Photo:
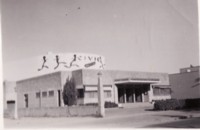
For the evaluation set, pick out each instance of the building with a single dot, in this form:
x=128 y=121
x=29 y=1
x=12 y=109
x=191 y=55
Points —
x=9 y=94
x=186 y=83
x=9 y=98
x=54 y=70
x=119 y=87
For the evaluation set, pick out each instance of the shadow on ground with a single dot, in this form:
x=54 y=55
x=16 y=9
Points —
x=187 y=123
x=177 y=116
x=149 y=109
x=184 y=110
x=193 y=109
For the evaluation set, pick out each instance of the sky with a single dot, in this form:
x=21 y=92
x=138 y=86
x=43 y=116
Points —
x=135 y=35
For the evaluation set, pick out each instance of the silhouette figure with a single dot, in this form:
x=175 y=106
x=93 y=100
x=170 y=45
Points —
x=43 y=65
x=58 y=62
x=102 y=65
x=72 y=62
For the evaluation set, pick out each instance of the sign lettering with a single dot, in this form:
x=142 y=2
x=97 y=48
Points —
x=71 y=61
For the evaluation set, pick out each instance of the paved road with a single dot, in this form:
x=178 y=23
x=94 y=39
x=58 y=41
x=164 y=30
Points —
x=115 y=118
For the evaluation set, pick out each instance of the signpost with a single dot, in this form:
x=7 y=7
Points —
x=16 y=108
x=100 y=96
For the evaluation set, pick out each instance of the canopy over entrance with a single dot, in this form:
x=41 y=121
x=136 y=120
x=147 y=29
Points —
x=136 y=80
x=134 y=90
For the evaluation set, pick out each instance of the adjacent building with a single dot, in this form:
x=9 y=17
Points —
x=9 y=96
x=186 y=83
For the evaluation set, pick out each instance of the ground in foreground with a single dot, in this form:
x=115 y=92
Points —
x=131 y=117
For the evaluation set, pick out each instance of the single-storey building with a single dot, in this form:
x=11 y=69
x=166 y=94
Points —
x=45 y=89
x=119 y=87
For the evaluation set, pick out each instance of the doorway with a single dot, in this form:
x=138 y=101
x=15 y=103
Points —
x=121 y=95
x=59 y=99
x=138 y=95
x=26 y=100
x=129 y=95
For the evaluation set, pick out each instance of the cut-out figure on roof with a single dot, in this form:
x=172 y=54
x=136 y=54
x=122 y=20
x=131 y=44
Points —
x=58 y=62
x=43 y=65
x=72 y=62
x=102 y=65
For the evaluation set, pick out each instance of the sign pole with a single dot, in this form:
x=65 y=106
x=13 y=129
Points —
x=100 y=96
x=16 y=107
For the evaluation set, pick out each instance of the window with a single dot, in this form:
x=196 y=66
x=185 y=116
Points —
x=44 y=94
x=156 y=91
x=94 y=94
x=161 y=91
x=26 y=100
x=38 y=95
x=188 y=70
x=107 y=94
x=91 y=94
x=80 y=93
x=51 y=93
x=165 y=91
x=108 y=86
x=10 y=102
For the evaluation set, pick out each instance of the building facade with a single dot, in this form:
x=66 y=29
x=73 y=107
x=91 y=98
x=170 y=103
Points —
x=119 y=87
x=186 y=84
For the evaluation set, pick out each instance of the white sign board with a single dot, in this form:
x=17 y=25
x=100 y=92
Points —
x=70 y=61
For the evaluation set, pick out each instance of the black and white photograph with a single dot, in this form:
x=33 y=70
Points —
x=100 y=64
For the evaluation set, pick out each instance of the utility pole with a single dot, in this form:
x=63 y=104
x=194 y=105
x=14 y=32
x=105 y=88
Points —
x=100 y=96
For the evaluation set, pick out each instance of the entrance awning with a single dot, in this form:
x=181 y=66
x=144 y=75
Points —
x=136 y=80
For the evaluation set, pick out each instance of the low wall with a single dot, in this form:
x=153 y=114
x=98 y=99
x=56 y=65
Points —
x=8 y=113
x=58 y=111
x=163 y=97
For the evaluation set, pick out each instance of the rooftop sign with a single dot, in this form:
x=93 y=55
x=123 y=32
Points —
x=70 y=61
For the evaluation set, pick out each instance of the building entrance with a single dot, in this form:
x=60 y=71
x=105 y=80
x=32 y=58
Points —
x=130 y=93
